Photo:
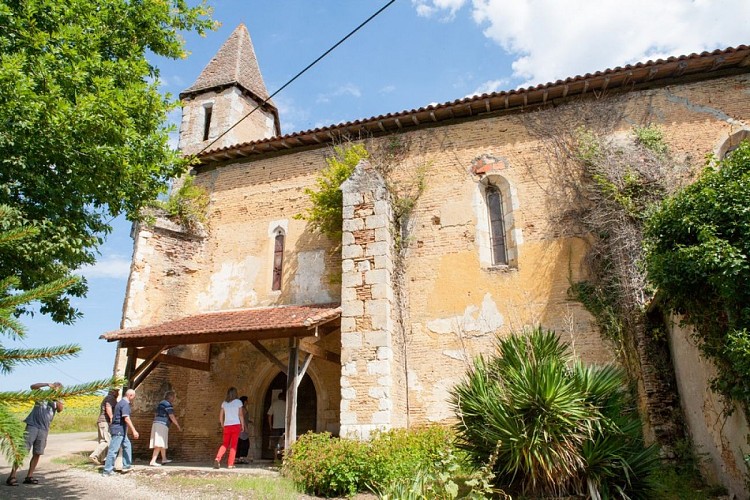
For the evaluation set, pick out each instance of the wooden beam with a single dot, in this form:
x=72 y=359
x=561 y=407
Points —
x=144 y=374
x=216 y=338
x=145 y=365
x=303 y=368
x=129 y=368
x=314 y=349
x=184 y=362
x=292 y=381
x=269 y=355
x=147 y=352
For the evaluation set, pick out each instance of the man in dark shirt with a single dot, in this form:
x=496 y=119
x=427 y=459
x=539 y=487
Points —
x=121 y=422
x=106 y=411
x=37 y=429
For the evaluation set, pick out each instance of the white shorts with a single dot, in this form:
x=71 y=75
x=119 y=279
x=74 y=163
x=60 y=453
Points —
x=159 y=436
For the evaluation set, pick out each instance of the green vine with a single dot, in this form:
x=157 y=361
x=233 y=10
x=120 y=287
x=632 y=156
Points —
x=326 y=212
x=187 y=205
x=698 y=255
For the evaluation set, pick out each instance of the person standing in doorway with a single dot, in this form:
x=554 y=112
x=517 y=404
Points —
x=233 y=423
x=121 y=423
x=277 y=422
x=106 y=410
x=243 y=445
x=160 y=429
x=37 y=429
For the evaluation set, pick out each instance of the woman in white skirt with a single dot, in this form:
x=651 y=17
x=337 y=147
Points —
x=160 y=429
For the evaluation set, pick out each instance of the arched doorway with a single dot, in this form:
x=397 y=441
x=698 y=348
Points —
x=307 y=409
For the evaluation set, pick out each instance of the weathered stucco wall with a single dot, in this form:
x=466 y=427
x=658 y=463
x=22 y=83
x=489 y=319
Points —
x=720 y=441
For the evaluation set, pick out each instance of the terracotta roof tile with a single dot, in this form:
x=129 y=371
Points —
x=237 y=320
x=648 y=73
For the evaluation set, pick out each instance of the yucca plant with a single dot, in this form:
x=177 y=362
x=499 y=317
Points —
x=558 y=427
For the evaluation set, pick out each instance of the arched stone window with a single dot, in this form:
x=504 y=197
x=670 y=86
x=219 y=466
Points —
x=278 y=259
x=497 y=236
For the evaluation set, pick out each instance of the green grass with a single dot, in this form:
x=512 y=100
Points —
x=270 y=488
x=78 y=460
x=675 y=484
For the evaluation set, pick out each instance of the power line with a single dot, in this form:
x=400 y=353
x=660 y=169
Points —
x=373 y=16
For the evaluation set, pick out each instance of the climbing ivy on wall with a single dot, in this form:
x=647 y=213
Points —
x=698 y=255
x=326 y=211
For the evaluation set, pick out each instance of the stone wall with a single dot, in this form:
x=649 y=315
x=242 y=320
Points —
x=720 y=441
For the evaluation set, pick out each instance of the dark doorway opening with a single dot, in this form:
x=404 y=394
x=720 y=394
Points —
x=307 y=410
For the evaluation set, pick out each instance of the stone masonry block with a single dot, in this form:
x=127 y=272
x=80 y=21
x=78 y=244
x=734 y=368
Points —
x=349 y=369
x=384 y=353
x=377 y=338
x=348 y=325
x=348 y=294
x=363 y=266
x=350 y=280
x=378 y=308
x=348 y=418
x=382 y=206
x=351 y=340
x=378 y=367
x=383 y=234
x=376 y=276
x=347 y=238
x=377 y=248
x=376 y=221
x=348 y=212
x=352 y=308
x=353 y=225
x=348 y=393
x=382 y=291
x=351 y=252
x=347 y=265
x=351 y=199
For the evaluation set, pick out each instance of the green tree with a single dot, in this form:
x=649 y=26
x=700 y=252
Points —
x=11 y=429
x=698 y=255
x=82 y=126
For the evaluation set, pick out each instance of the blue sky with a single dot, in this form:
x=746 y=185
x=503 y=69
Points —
x=415 y=53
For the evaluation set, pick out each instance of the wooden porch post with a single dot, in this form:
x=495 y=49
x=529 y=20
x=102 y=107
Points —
x=292 y=375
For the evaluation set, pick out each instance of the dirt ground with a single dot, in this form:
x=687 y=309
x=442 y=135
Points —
x=57 y=480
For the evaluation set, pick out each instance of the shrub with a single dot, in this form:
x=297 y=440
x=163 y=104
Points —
x=323 y=465
x=326 y=466
x=557 y=428
x=188 y=204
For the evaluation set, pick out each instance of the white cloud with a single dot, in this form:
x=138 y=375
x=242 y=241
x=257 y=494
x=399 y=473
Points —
x=346 y=89
x=428 y=8
x=490 y=86
x=550 y=40
x=292 y=116
x=388 y=89
x=112 y=266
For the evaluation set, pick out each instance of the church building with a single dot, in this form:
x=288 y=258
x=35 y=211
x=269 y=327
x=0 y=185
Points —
x=372 y=331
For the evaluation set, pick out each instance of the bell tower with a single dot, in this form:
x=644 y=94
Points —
x=227 y=89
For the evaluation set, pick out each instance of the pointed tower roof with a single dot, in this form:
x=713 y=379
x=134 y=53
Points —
x=234 y=64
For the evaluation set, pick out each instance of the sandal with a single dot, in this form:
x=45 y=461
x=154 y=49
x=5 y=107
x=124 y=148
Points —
x=11 y=481
x=30 y=480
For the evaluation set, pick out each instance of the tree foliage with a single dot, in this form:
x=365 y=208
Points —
x=326 y=213
x=698 y=255
x=11 y=429
x=82 y=126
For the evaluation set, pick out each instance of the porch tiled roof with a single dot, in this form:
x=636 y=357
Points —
x=233 y=321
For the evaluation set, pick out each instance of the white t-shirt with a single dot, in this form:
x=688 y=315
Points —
x=278 y=412
x=232 y=412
